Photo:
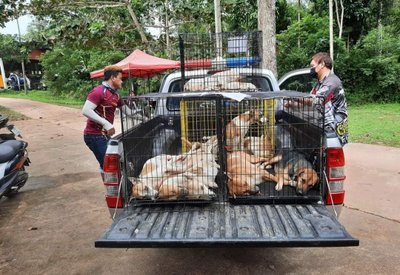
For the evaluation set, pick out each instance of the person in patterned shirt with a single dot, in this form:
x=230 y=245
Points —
x=330 y=87
x=99 y=109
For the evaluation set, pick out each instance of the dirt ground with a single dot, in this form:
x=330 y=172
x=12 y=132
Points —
x=51 y=226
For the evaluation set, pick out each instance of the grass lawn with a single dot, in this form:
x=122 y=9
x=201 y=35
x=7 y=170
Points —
x=12 y=116
x=370 y=123
x=43 y=96
x=375 y=124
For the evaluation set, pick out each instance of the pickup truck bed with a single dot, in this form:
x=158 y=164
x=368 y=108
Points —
x=270 y=218
x=223 y=225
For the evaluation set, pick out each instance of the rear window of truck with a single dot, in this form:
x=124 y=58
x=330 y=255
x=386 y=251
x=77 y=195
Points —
x=262 y=84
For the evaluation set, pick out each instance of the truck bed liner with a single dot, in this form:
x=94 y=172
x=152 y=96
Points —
x=226 y=225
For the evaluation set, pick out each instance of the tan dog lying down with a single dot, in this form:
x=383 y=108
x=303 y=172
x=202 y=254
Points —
x=187 y=186
x=188 y=175
x=216 y=82
x=245 y=172
x=238 y=86
x=294 y=170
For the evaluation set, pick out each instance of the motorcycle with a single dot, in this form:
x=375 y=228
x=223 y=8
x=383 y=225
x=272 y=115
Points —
x=16 y=82
x=13 y=159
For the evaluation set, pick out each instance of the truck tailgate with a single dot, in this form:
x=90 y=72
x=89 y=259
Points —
x=224 y=225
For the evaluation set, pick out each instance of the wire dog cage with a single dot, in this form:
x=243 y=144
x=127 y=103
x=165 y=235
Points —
x=230 y=59
x=266 y=148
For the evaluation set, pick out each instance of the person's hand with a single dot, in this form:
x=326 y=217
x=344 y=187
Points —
x=110 y=132
x=290 y=103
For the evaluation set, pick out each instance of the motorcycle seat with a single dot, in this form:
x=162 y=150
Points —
x=9 y=149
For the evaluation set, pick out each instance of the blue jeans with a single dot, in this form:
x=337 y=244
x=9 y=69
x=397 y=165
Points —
x=98 y=145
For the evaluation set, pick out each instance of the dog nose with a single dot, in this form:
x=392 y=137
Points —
x=300 y=191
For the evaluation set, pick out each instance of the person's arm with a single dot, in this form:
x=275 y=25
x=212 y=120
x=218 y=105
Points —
x=297 y=103
x=88 y=111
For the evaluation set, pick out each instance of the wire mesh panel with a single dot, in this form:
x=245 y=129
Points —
x=260 y=149
x=225 y=55
x=274 y=149
x=173 y=158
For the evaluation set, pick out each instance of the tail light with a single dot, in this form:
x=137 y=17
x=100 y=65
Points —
x=335 y=163
x=21 y=162
x=112 y=175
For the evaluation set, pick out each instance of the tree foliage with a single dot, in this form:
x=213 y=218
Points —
x=313 y=33
x=9 y=48
x=370 y=71
x=11 y=9
x=67 y=69
x=86 y=35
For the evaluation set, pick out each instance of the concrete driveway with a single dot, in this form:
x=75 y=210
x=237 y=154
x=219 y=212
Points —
x=51 y=226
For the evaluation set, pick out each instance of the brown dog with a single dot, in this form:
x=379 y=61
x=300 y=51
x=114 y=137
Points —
x=238 y=127
x=294 y=170
x=245 y=172
x=259 y=146
x=141 y=190
x=186 y=186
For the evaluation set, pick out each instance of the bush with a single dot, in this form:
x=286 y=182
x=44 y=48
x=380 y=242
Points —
x=370 y=71
x=313 y=33
x=67 y=70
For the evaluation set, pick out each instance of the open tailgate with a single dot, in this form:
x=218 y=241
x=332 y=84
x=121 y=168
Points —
x=226 y=226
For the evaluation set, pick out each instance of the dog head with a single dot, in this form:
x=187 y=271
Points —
x=251 y=116
x=238 y=185
x=306 y=179
x=172 y=190
x=141 y=190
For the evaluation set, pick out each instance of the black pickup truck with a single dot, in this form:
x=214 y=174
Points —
x=269 y=218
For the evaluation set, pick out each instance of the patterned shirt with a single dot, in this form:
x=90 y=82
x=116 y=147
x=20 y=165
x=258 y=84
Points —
x=107 y=100
x=335 y=105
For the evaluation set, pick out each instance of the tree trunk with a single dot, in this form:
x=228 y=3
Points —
x=267 y=24
x=167 y=30
x=339 y=19
x=218 y=28
x=331 y=28
x=137 y=24
x=380 y=27
x=298 y=20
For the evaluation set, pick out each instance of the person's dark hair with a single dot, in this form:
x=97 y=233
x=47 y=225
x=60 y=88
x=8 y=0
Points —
x=111 y=70
x=323 y=57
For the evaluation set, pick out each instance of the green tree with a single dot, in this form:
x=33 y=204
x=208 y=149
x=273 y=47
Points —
x=370 y=71
x=9 y=48
x=67 y=69
x=99 y=24
x=11 y=9
x=313 y=33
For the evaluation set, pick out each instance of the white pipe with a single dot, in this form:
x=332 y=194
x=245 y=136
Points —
x=3 y=74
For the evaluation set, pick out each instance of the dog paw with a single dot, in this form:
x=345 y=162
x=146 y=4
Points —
x=278 y=187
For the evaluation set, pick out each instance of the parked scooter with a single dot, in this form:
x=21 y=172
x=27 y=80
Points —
x=13 y=159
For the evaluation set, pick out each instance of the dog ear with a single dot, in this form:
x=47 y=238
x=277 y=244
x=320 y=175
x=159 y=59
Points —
x=301 y=173
x=308 y=175
x=247 y=142
x=134 y=181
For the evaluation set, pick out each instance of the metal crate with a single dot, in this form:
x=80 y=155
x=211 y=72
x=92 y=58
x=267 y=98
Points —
x=229 y=58
x=217 y=149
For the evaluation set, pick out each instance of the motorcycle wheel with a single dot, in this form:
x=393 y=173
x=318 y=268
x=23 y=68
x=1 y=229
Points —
x=23 y=178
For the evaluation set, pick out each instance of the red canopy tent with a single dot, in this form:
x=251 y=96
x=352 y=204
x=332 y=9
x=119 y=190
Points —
x=140 y=64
